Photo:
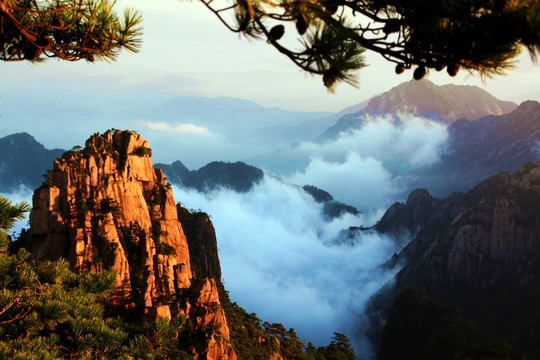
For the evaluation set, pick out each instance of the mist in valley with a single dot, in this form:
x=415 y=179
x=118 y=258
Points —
x=280 y=259
x=283 y=259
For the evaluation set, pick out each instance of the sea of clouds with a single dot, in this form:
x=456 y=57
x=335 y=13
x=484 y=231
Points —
x=373 y=166
x=279 y=254
x=280 y=259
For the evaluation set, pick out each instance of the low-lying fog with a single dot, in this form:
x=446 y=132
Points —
x=279 y=254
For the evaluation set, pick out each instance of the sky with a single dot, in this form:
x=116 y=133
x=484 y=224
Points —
x=187 y=51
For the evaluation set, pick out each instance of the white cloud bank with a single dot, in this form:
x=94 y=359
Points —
x=177 y=128
x=371 y=167
x=280 y=260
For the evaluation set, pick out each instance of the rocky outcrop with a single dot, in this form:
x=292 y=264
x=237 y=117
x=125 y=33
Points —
x=202 y=242
x=204 y=309
x=479 y=252
x=104 y=207
x=332 y=208
x=408 y=218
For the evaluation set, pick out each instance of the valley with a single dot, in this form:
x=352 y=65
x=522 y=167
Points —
x=322 y=224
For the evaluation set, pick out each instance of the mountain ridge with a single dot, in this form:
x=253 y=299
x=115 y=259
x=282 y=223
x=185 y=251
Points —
x=445 y=104
x=484 y=147
x=21 y=150
x=477 y=251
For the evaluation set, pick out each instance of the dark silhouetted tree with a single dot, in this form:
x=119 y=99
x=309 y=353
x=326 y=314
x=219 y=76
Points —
x=480 y=36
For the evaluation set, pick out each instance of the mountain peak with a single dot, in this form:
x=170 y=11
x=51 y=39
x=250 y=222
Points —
x=22 y=139
x=529 y=106
x=104 y=207
x=446 y=103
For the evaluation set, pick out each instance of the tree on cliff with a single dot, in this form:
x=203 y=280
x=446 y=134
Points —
x=9 y=214
x=49 y=312
x=66 y=29
x=480 y=36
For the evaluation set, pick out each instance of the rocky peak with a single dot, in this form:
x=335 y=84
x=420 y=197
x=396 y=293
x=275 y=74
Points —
x=419 y=197
x=406 y=219
x=528 y=106
x=446 y=103
x=104 y=207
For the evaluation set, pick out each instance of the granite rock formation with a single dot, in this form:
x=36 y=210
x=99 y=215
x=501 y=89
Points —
x=202 y=242
x=477 y=251
x=105 y=207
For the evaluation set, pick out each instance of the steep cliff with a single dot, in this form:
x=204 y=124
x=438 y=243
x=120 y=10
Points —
x=480 y=252
x=105 y=207
x=202 y=242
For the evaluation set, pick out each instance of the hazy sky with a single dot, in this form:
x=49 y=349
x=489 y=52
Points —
x=187 y=51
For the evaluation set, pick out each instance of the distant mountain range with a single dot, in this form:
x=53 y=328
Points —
x=237 y=117
x=230 y=128
x=484 y=147
x=23 y=161
x=476 y=148
x=237 y=176
x=241 y=177
x=445 y=104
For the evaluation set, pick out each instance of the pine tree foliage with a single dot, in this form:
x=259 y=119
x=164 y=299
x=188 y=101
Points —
x=67 y=29
x=49 y=312
x=9 y=214
x=480 y=36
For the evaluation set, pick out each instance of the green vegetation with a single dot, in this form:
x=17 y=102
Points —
x=142 y=151
x=66 y=29
x=9 y=214
x=254 y=340
x=49 y=312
